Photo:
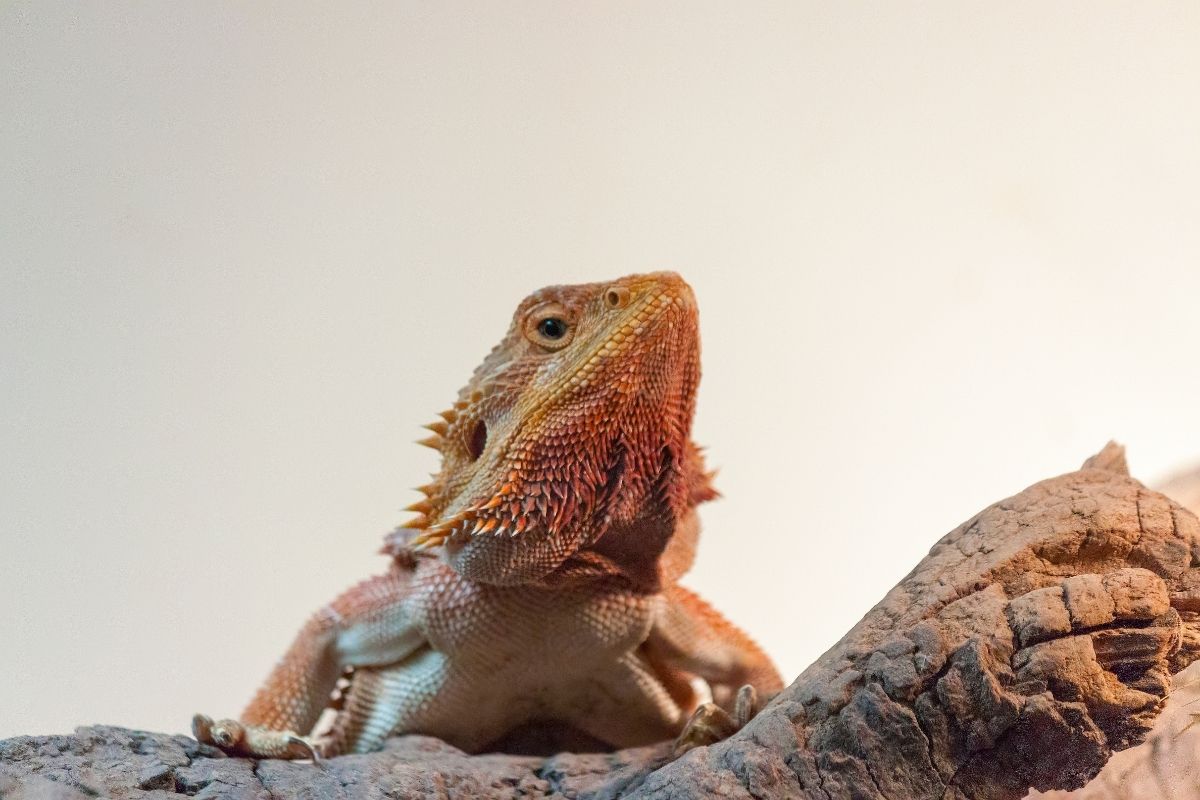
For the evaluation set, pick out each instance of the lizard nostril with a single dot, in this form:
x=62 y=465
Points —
x=616 y=297
x=478 y=440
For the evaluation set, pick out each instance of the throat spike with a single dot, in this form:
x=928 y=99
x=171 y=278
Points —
x=420 y=507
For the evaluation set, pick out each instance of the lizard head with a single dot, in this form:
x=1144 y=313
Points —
x=578 y=421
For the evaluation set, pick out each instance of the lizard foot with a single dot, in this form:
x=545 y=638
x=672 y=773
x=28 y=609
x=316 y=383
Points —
x=235 y=738
x=710 y=723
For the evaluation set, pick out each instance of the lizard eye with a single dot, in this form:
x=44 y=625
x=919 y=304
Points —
x=552 y=328
x=549 y=326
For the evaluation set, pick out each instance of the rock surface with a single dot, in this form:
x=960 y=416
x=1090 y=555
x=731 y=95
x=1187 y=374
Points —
x=1032 y=642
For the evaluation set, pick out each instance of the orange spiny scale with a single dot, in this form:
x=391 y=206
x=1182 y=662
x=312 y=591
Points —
x=430 y=540
x=437 y=529
x=489 y=525
x=416 y=523
x=434 y=442
x=428 y=489
x=420 y=507
x=427 y=540
x=439 y=427
x=451 y=521
x=493 y=503
x=450 y=415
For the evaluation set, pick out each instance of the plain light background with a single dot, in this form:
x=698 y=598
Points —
x=942 y=251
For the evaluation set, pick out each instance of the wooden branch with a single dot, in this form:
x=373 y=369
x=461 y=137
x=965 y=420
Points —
x=1033 y=641
x=1167 y=765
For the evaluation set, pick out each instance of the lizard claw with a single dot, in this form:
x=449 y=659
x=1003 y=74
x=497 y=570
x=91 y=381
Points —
x=745 y=706
x=306 y=745
x=710 y=723
x=236 y=738
x=226 y=734
x=202 y=728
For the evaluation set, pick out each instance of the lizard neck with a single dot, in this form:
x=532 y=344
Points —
x=653 y=550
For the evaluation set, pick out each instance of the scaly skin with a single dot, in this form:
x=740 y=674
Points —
x=538 y=582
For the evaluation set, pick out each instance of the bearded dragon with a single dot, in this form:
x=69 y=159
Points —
x=538 y=583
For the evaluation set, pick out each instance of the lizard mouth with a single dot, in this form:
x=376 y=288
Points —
x=517 y=500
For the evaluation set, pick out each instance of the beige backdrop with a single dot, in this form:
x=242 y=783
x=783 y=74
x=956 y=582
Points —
x=942 y=250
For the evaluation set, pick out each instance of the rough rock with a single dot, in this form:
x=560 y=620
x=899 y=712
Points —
x=1033 y=641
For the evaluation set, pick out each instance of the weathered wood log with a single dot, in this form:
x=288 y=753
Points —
x=1167 y=765
x=1164 y=767
x=1032 y=642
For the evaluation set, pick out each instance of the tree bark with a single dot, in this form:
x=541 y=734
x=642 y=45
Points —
x=1033 y=641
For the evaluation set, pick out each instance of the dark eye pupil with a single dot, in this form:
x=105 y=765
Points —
x=552 y=328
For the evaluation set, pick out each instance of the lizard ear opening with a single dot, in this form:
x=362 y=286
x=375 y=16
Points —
x=478 y=440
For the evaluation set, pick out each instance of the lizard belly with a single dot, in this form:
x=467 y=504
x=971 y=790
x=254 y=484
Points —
x=508 y=655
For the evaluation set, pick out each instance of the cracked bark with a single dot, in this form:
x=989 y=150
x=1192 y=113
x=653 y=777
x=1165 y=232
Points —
x=1167 y=765
x=1032 y=642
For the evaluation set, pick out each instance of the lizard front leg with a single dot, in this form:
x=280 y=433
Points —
x=628 y=704
x=692 y=637
x=365 y=626
x=380 y=700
